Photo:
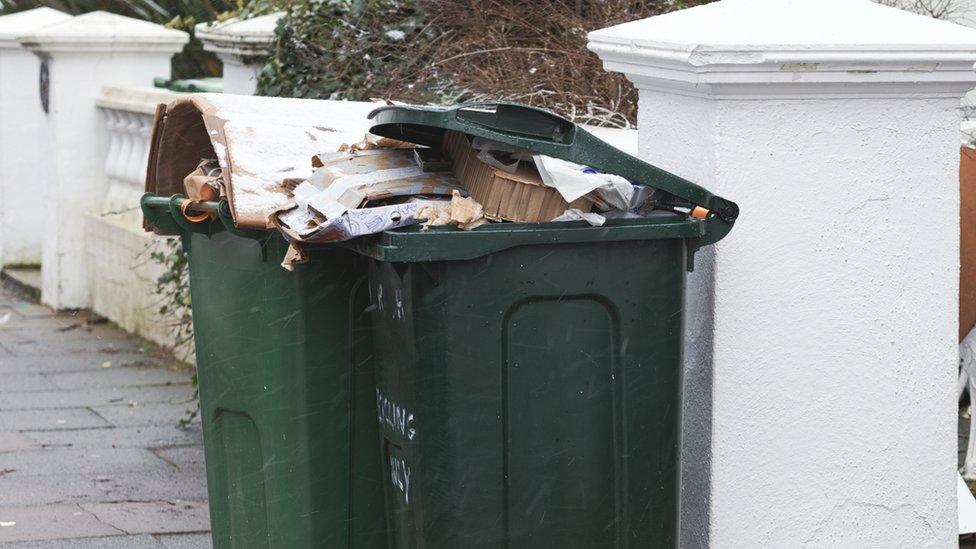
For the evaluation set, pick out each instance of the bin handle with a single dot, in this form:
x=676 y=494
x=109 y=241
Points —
x=208 y=210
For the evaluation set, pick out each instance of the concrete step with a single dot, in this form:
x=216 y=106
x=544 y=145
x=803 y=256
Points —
x=25 y=279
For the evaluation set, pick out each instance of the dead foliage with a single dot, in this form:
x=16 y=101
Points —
x=447 y=51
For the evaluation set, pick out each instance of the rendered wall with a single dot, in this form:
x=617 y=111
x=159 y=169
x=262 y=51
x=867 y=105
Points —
x=830 y=418
x=24 y=160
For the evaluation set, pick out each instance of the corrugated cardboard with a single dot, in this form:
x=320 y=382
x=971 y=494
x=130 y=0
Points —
x=259 y=141
x=312 y=226
x=521 y=196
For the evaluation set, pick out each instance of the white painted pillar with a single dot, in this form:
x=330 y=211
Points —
x=820 y=371
x=22 y=147
x=81 y=56
x=242 y=46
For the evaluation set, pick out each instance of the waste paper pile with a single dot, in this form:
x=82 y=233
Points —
x=312 y=171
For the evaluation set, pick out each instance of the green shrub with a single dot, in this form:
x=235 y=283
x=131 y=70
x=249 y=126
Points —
x=446 y=51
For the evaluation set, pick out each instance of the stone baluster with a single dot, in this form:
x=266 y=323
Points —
x=128 y=121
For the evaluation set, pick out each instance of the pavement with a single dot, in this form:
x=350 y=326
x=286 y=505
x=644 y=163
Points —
x=91 y=454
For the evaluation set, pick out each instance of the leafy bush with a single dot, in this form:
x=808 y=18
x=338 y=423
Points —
x=446 y=51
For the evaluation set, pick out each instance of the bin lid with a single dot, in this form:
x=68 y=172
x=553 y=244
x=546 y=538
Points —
x=545 y=133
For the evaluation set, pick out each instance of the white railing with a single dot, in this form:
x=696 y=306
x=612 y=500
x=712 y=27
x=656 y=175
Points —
x=128 y=120
x=122 y=276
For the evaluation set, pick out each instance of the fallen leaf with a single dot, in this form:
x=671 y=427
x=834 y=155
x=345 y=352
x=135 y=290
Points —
x=107 y=364
x=133 y=404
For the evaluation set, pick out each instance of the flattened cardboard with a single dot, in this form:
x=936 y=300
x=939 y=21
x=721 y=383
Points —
x=260 y=142
x=520 y=197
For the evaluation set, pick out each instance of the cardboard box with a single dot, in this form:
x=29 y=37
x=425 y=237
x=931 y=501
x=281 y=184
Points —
x=259 y=142
x=521 y=196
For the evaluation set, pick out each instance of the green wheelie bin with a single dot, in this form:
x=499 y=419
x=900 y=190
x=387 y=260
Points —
x=286 y=384
x=529 y=375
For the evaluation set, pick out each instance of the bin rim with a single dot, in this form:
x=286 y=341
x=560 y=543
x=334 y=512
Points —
x=415 y=243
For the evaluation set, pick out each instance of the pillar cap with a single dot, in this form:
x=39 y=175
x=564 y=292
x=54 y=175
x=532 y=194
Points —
x=792 y=47
x=239 y=37
x=23 y=22
x=100 y=31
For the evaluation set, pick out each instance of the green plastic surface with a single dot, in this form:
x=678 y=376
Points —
x=531 y=397
x=286 y=390
x=447 y=243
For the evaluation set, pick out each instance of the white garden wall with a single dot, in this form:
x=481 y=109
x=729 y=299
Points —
x=122 y=274
x=24 y=156
x=820 y=406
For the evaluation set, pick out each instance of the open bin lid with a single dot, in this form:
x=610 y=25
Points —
x=545 y=133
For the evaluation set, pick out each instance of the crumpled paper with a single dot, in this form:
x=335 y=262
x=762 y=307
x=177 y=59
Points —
x=465 y=213
x=573 y=214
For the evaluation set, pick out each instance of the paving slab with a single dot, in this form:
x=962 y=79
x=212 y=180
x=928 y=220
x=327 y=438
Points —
x=75 y=362
x=12 y=441
x=51 y=522
x=170 y=485
x=57 y=490
x=117 y=377
x=90 y=452
x=106 y=542
x=25 y=329
x=89 y=461
x=47 y=347
x=153 y=517
x=182 y=457
x=177 y=395
x=18 y=383
x=147 y=436
x=146 y=414
x=186 y=541
x=46 y=420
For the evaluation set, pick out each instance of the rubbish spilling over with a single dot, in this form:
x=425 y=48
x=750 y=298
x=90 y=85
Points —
x=332 y=171
x=258 y=142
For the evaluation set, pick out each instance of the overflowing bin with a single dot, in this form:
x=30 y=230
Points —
x=522 y=380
